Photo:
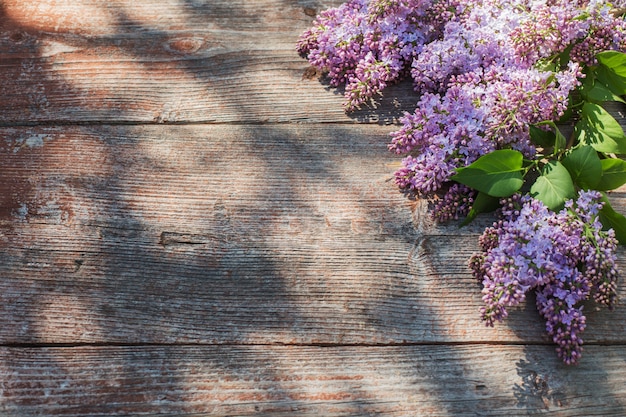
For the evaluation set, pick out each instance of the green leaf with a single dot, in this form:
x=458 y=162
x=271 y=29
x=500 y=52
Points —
x=613 y=174
x=611 y=79
x=555 y=137
x=599 y=92
x=584 y=166
x=613 y=60
x=498 y=174
x=483 y=203
x=540 y=137
x=612 y=71
x=611 y=219
x=600 y=130
x=554 y=186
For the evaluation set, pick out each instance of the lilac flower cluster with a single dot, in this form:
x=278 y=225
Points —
x=455 y=203
x=443 y=133
x=481 y=111
x=486 y=72
x=475 y=63
x=481 y=63
x=565 y=257
x=588 y=27
x=368 y=45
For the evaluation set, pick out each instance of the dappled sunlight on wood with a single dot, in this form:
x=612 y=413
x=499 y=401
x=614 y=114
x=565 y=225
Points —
x=181 y=62
x=284 y=379
x=61 y=316
x=161 y=100
x=64 y=16
x=190 y=223
x=52 y=195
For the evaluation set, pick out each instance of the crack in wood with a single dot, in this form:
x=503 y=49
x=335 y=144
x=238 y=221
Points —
x=174 y=238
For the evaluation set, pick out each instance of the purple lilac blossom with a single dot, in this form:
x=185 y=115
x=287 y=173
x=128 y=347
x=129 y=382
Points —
x=521 y=97
x=565 y=257
x=454 y=204
x=586 y=27
x=475 y=65
x=443 y=133
x=366 y=45
x=486 y=70
x=481 y=111
x=552 y=30
x=477 y=39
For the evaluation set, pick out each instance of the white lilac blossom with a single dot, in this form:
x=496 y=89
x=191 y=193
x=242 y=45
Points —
x=565 y=257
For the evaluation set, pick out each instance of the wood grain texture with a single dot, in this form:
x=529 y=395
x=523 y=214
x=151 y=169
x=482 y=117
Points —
x=232 y=234
x=482 y=380
x=261 y=263
x=168 y=61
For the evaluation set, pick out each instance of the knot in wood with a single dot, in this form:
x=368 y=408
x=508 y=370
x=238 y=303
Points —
x=186 y=45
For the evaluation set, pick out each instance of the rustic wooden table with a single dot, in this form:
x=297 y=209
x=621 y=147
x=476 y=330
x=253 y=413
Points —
x=191 y=225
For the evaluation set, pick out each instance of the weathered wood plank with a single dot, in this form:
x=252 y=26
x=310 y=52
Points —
x=232 y=234
x=166 y=61
x=238 y=268
x=273 y=169
x=310 y=381
x=256 y=294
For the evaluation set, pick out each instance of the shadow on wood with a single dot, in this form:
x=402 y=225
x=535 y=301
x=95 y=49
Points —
x=262 y=264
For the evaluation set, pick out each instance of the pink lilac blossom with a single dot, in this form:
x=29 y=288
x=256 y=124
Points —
x=565 y=257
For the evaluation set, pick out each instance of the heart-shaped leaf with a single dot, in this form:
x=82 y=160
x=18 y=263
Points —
x=613 y=174
x=599 y=129
x=554 y=186
x=498 y=174
x=584 y=166
x=612 y=71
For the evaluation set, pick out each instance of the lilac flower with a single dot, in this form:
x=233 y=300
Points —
x=443 y=134
x=605 y=32
x=481 y=111
x=455 y=203
x=366 y=45
x=521 y=97
x=477 y=39
x=565 y=257
x=487 y=70
x=552 y=29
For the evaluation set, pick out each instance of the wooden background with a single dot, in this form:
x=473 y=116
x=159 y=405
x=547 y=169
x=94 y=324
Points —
x=191 y=225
